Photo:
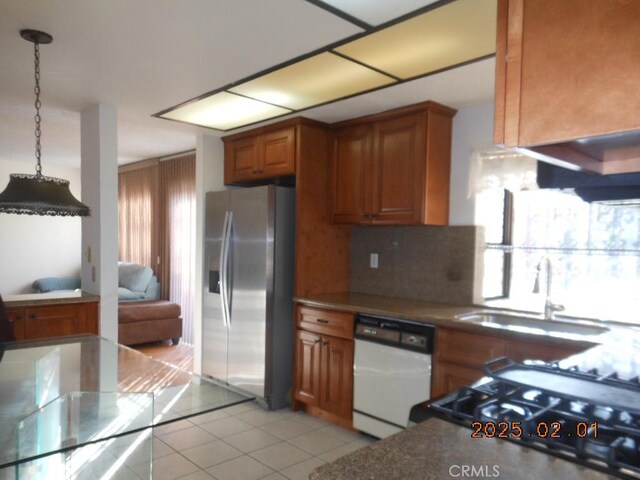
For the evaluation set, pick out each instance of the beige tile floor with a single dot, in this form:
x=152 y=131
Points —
x=246 y=442
x=243 y=442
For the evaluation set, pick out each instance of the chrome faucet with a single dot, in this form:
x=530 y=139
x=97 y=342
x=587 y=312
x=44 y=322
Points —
x=549 y=307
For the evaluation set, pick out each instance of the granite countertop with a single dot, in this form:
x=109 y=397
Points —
x=444 y=315
x=51 y=298
x=436 y=449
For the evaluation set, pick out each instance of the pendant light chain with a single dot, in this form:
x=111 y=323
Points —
x=37 y=104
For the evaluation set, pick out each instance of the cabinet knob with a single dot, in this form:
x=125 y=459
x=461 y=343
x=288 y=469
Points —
x=325 y=343
x=32 y=316
x=18 y=317
x=317 y=340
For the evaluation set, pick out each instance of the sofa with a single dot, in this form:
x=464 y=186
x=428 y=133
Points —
x=149 y=321
x=135 y=283
x=142 y=316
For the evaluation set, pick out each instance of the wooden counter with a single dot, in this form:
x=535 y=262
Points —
x=55 y=314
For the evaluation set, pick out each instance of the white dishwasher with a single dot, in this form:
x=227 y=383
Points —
x=392 y=372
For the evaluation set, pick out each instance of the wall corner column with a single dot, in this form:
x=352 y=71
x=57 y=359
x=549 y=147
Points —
x=209 y=177
x=99 y=173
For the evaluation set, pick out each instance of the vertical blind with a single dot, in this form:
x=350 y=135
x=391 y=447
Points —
x=157 y=208
x=178 y=180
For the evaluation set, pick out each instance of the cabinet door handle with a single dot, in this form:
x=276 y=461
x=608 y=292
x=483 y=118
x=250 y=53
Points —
x=321 y=320
x=18 y=317
x=325 y=343
x=316 y=341
x=32 y=316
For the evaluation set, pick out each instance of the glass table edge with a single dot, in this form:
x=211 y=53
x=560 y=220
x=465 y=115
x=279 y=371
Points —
x=90 y=337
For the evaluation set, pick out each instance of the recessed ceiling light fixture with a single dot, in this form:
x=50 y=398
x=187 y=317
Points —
x=36 y=194
x=441 y=36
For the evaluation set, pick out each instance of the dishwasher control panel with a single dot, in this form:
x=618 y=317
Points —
x=378 y=333
x=392 y=331
x=413 y=340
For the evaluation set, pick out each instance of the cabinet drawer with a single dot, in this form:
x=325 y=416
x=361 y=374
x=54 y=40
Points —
x=449 y=377
x=519 y=351
x=326 y=322
x=467 y=348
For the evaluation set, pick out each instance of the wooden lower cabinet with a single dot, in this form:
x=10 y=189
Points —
x=323 y=378
x=307 y=367
x=57 y=320
x=336 y=376
x=449 y=377
x=460 y=355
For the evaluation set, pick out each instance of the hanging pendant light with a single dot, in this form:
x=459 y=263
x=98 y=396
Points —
x=36 y=194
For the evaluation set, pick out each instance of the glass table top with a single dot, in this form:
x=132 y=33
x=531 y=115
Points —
x=61 y=394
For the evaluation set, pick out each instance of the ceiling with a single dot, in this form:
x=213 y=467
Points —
x=142 y=56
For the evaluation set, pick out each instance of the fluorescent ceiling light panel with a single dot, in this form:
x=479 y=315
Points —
x=449 y=35
x=224 y=111
x=318 y=79
x=375 y=12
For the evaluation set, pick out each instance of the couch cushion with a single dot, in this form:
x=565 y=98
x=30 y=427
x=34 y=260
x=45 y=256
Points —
x=51 y=284
x=147 y=310
x=126 y=295
x=133 y=276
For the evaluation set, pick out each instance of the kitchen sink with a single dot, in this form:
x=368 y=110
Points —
x=530 y=324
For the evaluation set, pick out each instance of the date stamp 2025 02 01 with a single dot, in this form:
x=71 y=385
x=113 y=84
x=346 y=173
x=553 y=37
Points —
x=542 y=430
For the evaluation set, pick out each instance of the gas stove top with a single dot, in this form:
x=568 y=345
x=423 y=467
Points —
x=584 y=417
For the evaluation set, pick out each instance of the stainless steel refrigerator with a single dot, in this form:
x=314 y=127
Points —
x=248 y=290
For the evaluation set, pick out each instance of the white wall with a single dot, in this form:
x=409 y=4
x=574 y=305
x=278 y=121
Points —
x=33 y=247
x=209 y=178
x=472 y=128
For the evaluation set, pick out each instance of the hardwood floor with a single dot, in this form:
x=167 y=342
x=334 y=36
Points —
x=180 y=355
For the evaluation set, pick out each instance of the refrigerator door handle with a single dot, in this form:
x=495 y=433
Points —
x=228 y=265
x=223 y=269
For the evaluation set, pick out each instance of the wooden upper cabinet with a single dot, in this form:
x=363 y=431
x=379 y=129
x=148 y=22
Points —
x=398 y=170
x=259 y=156
x=568 y=71
x=393 y=168
x=277 y=153
x=241 y=160
x=350 y=165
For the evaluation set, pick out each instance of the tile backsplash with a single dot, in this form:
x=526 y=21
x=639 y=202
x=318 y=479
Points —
x=434 y=264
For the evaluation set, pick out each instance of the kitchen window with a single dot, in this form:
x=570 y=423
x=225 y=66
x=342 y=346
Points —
x=594 y=249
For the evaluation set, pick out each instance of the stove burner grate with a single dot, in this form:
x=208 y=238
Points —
x=600 y=436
